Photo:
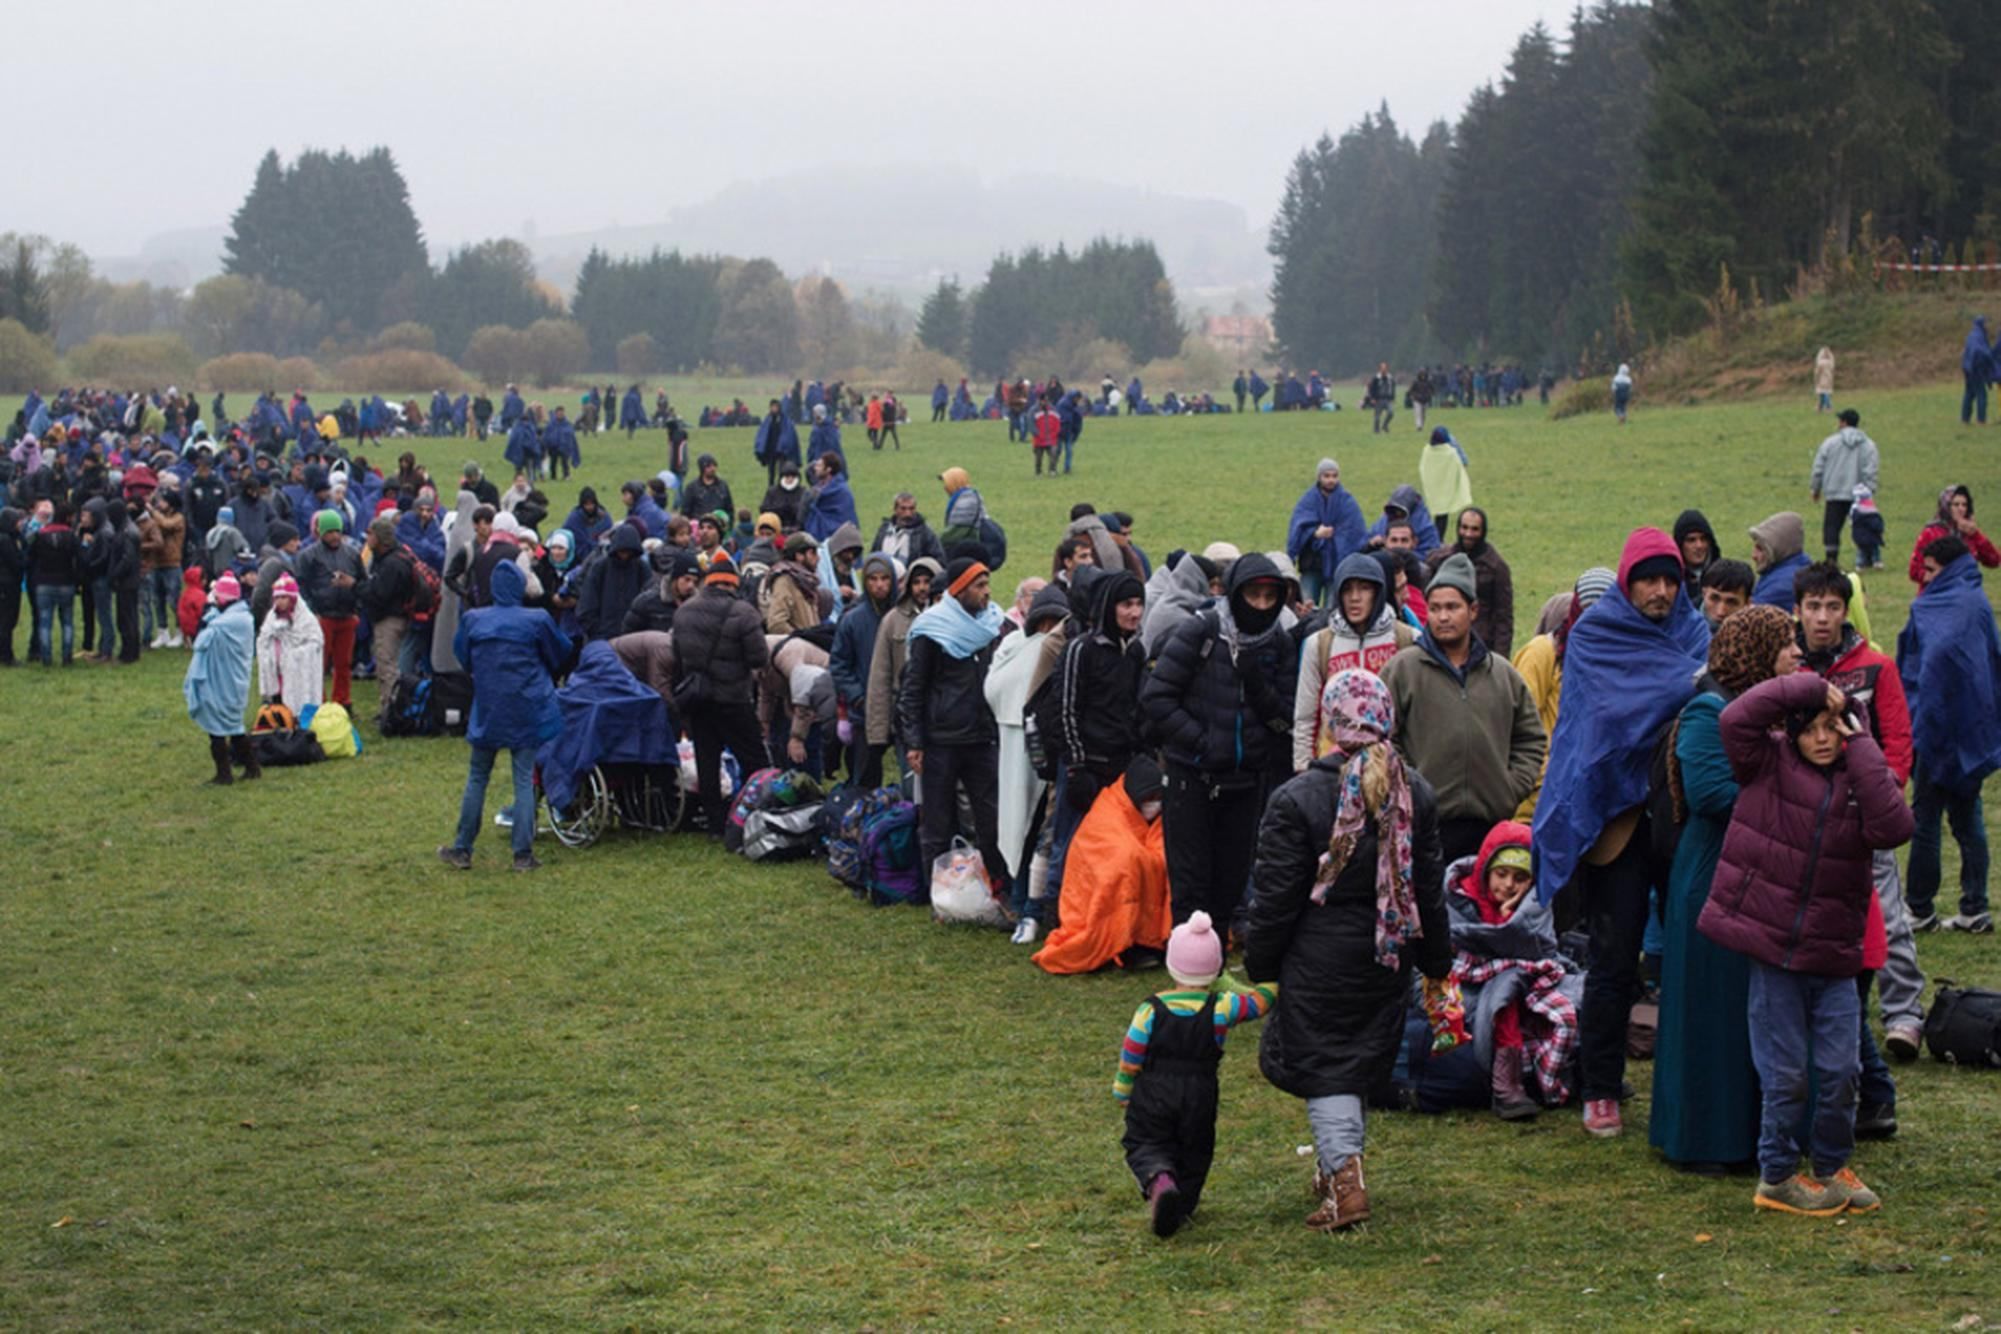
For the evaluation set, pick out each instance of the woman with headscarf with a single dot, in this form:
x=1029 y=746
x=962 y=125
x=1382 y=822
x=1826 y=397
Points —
x=290 y=650
x=1350 y=892
x=1705 y=1092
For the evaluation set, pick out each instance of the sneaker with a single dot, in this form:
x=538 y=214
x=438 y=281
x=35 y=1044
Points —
x=1799 y=1195
x=1980 y=924
x=1601 y=1118
x=526 y=861
x=1901 y=1041
x=1855 y=1197
x=504 y=817
x=1876 y=1120
x=1921 y=922
x=1025 y=931
x=456 y=858
x=1166 y=1206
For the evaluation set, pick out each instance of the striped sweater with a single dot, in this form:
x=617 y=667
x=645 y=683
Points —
x=1232 y=1008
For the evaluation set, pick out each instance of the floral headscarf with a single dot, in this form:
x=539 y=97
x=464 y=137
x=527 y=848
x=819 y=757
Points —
x=1356 y=712
x=1745 y=647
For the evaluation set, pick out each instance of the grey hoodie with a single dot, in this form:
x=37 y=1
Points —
x=1844 y=459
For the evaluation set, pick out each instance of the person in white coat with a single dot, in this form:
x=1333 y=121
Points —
x=290 y=650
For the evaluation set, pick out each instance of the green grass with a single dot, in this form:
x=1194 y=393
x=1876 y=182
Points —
x=267 y=1063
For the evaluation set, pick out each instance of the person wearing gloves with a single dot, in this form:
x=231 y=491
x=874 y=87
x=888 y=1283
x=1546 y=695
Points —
x=291 y=651
x=1167 y=1073
x=217 y=684
x=513 y=653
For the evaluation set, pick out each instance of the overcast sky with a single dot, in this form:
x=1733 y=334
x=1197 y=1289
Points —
x=581 y=114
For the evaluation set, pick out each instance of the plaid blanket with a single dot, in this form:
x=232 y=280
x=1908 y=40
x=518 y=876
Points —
x=1549 y=1042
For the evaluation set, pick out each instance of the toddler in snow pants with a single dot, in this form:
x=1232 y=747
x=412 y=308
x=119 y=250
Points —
x=1167 y=1073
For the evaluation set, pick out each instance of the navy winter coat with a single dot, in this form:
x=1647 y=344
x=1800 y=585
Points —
x=513 y=653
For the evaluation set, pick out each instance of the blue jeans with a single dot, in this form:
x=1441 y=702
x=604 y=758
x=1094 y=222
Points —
x=107 y=617
x=52 y=600
x=1875 y=1087
x=160 y=592
x=1069 y=445
x=1804 y=1042
x=1063 y=821
x=1932 y=805
x=473 y=806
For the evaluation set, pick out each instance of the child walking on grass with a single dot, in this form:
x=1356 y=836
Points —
x=1792 y=891
x=1167 y=1072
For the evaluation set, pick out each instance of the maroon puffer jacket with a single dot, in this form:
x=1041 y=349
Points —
x=1793 y=884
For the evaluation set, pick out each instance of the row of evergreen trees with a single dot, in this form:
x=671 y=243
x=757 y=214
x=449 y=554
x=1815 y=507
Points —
x=1038 y=300
x=1629 y=164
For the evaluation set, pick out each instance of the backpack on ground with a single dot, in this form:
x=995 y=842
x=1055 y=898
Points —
x=778 y=835
x=410 y=712
x=1964 y=1026
x=843 y=845
x=767 y=790
x=287 y=747
x=450 y=703
x=889 y=852
x=273 y=717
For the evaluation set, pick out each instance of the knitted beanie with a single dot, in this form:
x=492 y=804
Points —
x=1195 y=952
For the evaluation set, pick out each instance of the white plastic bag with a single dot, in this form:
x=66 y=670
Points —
x=959 y=890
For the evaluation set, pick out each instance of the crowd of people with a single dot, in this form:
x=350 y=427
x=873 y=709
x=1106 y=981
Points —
x=1333 y=756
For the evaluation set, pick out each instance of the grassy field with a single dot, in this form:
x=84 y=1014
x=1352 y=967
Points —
x=267 y=1063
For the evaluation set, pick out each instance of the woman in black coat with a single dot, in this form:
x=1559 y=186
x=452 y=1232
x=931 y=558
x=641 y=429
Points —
x=1342 y=953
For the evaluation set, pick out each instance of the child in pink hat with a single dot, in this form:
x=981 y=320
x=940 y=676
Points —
x=1167 y=1072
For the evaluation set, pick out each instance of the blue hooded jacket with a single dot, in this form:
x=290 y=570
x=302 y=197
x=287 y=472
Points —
x=1950 y=660
x=425 y=537
x=511 y=409
x=1977 y=358
x=1411 y=501
x=631 y=410
x=833 y=505
x=559 y=441
x=524 y=444
x=1337 y=510
x=825 y=439
x=513 y=653
x=776 y=438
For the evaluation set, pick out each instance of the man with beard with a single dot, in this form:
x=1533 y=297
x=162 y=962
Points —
x=1696 y=541
x=948 y=728
x=904 y=536
x=1219 y=700
x=792 y=594
x=786 y=497
x=1494 y=583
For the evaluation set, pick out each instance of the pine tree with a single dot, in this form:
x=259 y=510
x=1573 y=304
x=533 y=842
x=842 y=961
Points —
x=941 y=324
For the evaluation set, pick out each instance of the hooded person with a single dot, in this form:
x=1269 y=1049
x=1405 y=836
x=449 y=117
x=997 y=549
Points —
x=777 y=441
x=610 y=586
x=1493 y=581
x=679 y=577
x=1950 y=661
x=1520 y=994
x=640 y=508
x=1406 y=505
x=892 y=648
x=588 y=520
x=1115 y=899
x=850 y=658
x=1630 y=664
x=1326 y=527
x=1022 y=665
x=1704 y=1108
x=1977 y=365
x=824 y=439
x=1105 y=550
x=1778 y=547
x=224 y=544
x=1441 y=470
x=1540 y=661
x=217 y=684
x=291 y=650
x=1845 y=460
x=1219 y=699
x=785 y=498
x=1178 y=589
x=460 y=547
x=1363 y=632
x=797 y=702
x=513 y=653
x=833 y=504
x=1696 y=541
x=1953 y=518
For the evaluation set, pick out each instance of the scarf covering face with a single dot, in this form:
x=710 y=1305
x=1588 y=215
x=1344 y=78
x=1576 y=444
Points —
x=1745 y=647
x=1355 y=710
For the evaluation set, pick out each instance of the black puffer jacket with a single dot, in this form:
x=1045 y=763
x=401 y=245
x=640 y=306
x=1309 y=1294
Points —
x=943 y=699
x=1100 y=677
x=1221 y=712
x=718 y=633
x=1339 y=1017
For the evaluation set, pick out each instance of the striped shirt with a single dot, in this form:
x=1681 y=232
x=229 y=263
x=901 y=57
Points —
x=1232 y=1008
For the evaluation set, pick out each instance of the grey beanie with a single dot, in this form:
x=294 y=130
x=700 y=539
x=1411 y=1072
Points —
x=1326 y=465
x=1593 y=584
x=1455 y=571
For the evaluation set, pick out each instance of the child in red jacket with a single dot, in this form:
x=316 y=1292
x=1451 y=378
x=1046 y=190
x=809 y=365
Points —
x=194 y=601
x=1792 y=891
x=1048 y=433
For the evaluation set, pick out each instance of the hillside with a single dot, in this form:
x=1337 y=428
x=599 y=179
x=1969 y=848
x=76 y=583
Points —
x=1881 y=340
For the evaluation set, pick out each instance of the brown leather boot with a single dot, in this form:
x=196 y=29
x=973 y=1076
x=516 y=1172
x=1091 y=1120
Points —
x=218 y=751
x=1511 y=1099
x=246 y=755
x=1344 y=1198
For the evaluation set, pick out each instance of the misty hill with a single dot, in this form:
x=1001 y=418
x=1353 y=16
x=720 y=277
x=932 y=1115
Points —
x=177 y=259
x=903 y=228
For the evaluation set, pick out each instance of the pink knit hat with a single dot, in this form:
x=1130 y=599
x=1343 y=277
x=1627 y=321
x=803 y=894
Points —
x=1195 y=952
x=285 y=586
x=226 y=590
